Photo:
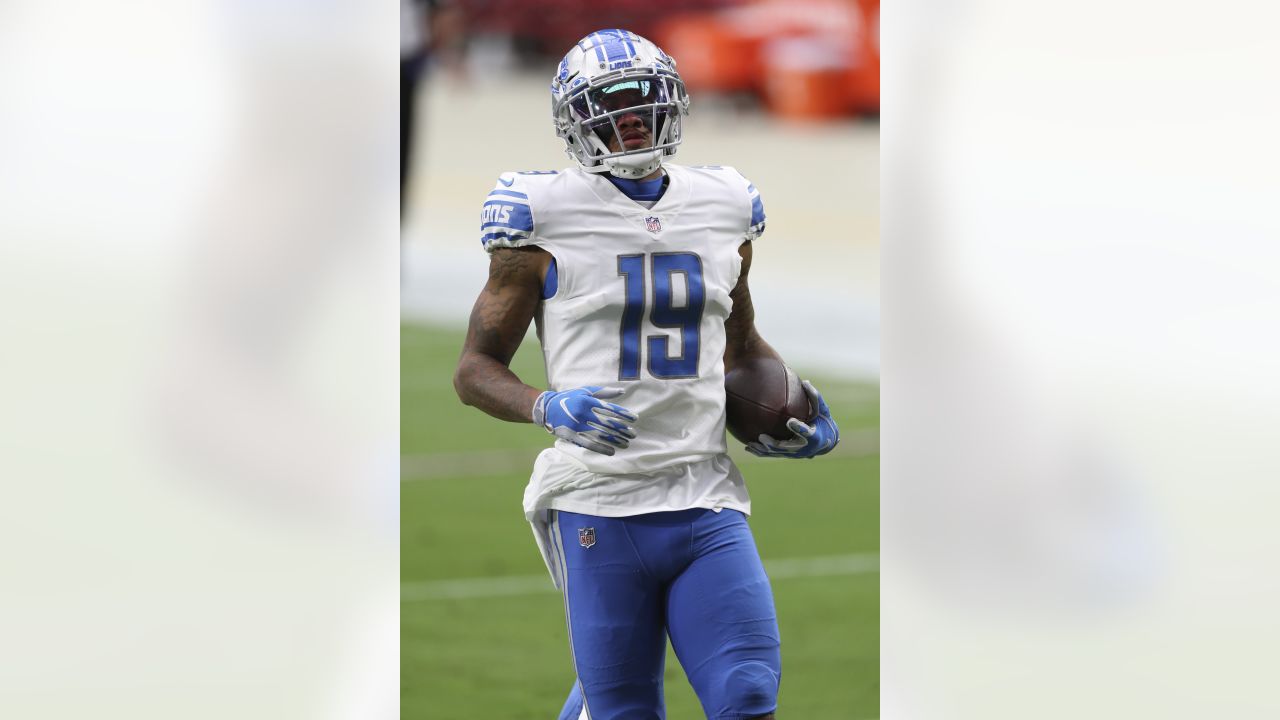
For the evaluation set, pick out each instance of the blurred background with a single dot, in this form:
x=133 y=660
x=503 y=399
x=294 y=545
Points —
x=207 y=384
x=786 y=92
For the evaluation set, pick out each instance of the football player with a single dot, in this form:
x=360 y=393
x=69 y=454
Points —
x=635 y=271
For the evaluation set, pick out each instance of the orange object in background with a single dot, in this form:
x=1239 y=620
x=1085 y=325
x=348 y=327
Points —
x=710 y=53
x=864 y=76
x=807 y=78
x=806 y=59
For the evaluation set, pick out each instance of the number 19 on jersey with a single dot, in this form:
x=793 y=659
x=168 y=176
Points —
x=671 y=309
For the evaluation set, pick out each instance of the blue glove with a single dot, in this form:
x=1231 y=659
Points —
x=809 y=441
x=581 y=417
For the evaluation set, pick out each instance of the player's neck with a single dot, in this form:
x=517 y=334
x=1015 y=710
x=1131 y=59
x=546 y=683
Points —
x=648 y=190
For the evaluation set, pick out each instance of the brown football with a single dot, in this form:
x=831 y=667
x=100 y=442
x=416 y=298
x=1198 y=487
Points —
x=761 y=394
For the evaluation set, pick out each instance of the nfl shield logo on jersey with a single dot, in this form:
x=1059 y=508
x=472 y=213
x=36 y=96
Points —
x=653 y=224
x=586 y=537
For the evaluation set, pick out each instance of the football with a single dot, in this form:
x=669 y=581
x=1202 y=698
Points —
x=761 y=394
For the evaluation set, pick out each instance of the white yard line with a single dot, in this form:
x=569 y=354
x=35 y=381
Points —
x=477 y=463
x=473 y=588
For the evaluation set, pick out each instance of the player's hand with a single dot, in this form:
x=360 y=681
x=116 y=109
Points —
x=583 y=418
x=809 y=441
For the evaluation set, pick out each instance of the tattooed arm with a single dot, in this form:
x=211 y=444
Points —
x=741 y=339
x=499 y=321
x=742 y=342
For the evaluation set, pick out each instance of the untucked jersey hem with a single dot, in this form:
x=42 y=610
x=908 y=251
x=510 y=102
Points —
x=587 y=508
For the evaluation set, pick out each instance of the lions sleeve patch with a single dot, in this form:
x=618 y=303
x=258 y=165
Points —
x=506 y=219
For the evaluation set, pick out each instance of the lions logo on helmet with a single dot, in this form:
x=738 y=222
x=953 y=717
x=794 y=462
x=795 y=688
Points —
x=612 y=78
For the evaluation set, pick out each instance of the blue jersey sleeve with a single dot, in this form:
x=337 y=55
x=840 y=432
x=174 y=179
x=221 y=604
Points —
x=756 y=227
x=506 y=219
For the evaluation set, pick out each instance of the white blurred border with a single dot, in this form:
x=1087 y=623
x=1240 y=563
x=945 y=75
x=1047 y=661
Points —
x=198 y=270
x=1079 y=357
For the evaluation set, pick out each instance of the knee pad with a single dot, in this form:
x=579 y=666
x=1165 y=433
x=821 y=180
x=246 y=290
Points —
x=751 y=688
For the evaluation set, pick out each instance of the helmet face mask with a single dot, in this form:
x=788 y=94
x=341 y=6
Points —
x=607 y=82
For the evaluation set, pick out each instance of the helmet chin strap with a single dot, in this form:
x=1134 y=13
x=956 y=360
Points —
x=634 y=167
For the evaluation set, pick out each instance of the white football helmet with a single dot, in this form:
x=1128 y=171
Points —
x=616 y=84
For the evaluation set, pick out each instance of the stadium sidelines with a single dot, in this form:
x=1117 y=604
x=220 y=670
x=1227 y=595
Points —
x=474 y=588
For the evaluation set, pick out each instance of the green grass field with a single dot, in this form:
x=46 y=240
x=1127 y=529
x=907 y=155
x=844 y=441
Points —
x=484 y=654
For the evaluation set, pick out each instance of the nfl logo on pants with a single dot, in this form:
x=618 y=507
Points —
x=586 y=537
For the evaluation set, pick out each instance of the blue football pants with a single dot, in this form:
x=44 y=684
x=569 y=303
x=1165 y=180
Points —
x=693 y=575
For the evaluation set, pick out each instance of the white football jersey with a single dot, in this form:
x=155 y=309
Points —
x=637 y=301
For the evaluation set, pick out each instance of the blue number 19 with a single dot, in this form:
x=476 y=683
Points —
x=687 y=316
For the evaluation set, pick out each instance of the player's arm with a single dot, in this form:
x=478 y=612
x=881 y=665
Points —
x=499 y=321
x=743 y=342
x=484 y=379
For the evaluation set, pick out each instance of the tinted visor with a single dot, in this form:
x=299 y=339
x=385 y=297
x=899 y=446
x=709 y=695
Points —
x=602 y=107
